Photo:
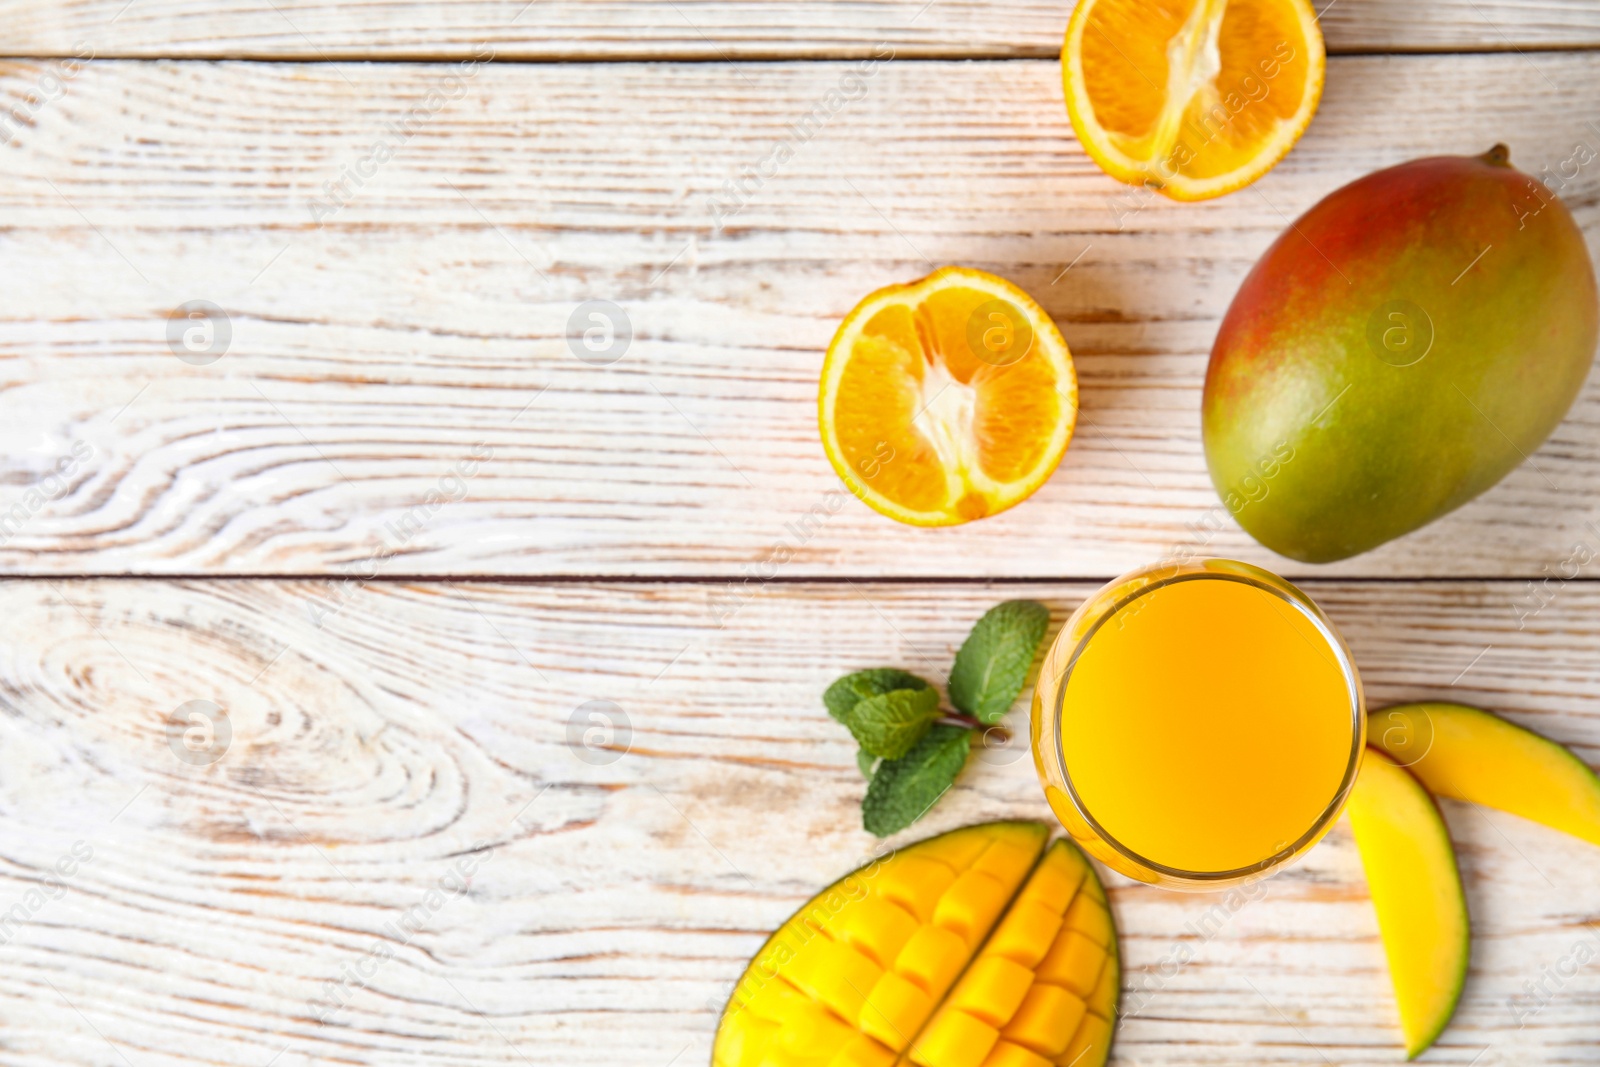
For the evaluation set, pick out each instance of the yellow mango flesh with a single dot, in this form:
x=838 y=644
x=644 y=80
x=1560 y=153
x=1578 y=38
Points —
x=1416 y=890
x=1469 y=754
x=965 y=950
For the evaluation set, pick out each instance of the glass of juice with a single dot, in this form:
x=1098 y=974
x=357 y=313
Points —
x=1198 y=725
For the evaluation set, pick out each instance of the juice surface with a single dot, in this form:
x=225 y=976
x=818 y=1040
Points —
x=1207 y=725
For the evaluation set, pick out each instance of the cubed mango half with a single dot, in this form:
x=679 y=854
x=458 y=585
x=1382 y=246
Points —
x=977 y=948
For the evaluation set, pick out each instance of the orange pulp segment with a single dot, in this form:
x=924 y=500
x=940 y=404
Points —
x=948 y=399
x=1196 y=98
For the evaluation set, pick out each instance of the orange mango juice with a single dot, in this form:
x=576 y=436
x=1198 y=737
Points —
x=1204 y=726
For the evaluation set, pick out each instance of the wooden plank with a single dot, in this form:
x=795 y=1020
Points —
x=628 y=884
x=400 y=394
x=707 y=29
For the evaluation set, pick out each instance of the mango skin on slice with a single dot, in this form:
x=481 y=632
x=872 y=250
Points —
x=1416 y=889
x=1470 y=754
x=934 y=957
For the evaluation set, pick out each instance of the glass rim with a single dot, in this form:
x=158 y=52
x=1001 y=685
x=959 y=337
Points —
x=1269 y=583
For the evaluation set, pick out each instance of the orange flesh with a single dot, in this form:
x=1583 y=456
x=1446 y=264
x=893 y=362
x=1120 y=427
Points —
x=1207 y=725
x=1195 y=88
x=1254 y=42
x=1125 y=62
x=913 y=386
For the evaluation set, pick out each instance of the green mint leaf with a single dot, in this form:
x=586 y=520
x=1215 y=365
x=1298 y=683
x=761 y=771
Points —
x=867 y=762
x=887 y=725
x=993 y=662
x=903 y=790
x=842 y=696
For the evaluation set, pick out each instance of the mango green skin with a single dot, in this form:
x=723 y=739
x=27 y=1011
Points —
x=1397 y=351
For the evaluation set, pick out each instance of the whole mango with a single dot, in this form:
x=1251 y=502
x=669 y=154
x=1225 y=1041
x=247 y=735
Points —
x=1397 y=351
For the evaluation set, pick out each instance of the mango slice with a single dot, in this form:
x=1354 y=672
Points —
x=965 y=950
x=1416 y=889
x=1470 y=754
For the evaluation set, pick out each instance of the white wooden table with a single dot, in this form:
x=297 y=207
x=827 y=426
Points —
x=405 y=538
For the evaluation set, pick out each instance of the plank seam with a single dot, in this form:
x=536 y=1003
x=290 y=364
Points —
x=323 y=58
x=909 y=580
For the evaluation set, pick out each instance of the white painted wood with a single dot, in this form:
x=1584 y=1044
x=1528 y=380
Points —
x=621 y=898
x=371 y=354
x=706 y=29
x=412 y=344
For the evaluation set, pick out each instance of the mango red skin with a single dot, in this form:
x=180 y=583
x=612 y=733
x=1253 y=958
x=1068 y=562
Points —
x=1318 y=443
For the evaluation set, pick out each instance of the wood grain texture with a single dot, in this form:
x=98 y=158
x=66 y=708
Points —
x=707 y=29
x=373 y=349
x=628 y=884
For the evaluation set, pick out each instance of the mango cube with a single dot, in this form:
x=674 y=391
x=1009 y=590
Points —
x=961 y=848
x=895 y=1010
x=1047 y=1020
x=1008 y=861
x=836 y=975
x=932 y=959
x=1005 y=1054
x=915 y=883
x=1094 y=890
x=971 y=905
x=992 y=989
x=809 y=1035
x=954 y=1039
x=1056 y=880
x=773 y=1000
x=862 y=1051
x=1074 y=961
x=1091 y=1044
x=1026 y=933
x=783 y=1056
x=748 y=1037
x=1103 y=1001
x=875 y=927
x=1091 y=918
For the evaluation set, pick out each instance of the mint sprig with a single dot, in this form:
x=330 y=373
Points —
x=842 y=696
x=902 y=790
x=887 y=725
x=994 y=660
x=909 y=756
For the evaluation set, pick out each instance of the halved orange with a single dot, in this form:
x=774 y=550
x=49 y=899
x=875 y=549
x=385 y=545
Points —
x=1196 y=98
x=948 y=399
